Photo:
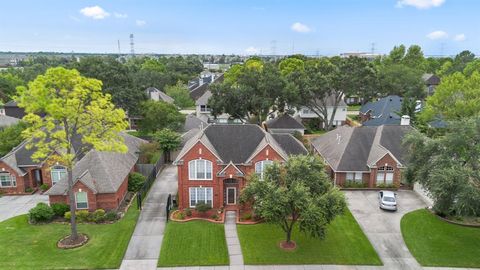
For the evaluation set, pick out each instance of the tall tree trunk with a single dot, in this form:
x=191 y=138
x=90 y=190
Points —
x=73 y=208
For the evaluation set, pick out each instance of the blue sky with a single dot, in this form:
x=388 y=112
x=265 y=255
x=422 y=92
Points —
x=241 y=27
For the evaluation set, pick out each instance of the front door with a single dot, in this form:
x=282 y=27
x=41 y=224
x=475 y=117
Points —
x=231 y=195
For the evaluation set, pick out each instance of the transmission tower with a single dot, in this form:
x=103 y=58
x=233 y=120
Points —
x=132 y=47
x=373 y=48
x=273 y=48
x=118 y=44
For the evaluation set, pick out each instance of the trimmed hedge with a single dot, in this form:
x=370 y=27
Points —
x=41 y=213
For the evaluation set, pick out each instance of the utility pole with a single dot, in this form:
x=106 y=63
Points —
x=132 y=47
x=373 y=48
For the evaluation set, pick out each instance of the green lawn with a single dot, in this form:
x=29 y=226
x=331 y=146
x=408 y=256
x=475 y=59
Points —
x=354 y=107
x=434 y=242
x=345 y=243
x=25 y=246
x=193 y=243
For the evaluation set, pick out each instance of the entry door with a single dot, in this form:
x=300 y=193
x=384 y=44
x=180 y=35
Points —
x=231 y=195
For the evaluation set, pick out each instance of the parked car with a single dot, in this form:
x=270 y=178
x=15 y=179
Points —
x=387 y=200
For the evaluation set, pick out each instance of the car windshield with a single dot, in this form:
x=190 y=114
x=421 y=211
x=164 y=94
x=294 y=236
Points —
x=388 y=199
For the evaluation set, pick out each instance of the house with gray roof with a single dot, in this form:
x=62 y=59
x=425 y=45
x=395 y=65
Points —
x=6 y=121
x=100 y=178
x=157 y=95
x=284 y=123
x=339 y=118
x=431 y=82
x=369 y=156
x=384 y=111
x=215 y=162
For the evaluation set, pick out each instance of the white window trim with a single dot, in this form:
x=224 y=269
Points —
x=200 y=179
x=354 y=176
x=13 y=180
x=57 y=171
x=196 y=195
x=234 y=195
x=262 y=167
x=76 y=202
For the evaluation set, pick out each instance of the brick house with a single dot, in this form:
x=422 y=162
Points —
x=214 y=164
x=372 y=155
x=100 y=178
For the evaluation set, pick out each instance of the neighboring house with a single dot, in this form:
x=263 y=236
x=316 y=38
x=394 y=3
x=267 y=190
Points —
x=431 y=81
x=215 y=162
x=384 y=111
x=200 y=86
x=6 y=121
x=203 y=112
x=100 y=178
x=284 y=123
x=370 y=155
x=11 y=109
x=192 y=122
x=157 y=95
x=353 y=100
x=340 y=114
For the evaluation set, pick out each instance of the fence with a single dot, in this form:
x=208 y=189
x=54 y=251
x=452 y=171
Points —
x=155 y=169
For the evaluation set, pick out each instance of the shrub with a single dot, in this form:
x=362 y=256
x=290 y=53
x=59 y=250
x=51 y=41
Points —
x=111 y=216
x=354 y=184
x=214 y=217
x=247 y=216
x=28 y=190
x=82 y=215
x=44 y=187
x=60 y=209
x=383 y=185
x=98 y=216
x=41 y=213
x=135 y=181
x=202 y=208
x=188 y=212
x=181 y=215
x=67 y=215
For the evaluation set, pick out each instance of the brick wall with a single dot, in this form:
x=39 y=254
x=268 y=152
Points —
x=21 y=180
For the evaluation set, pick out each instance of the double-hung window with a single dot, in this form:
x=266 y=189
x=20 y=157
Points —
x=385 y=175
x=354 y=176
x=200 y=169
x=201 y=195
x=260 y=167
x=81 y=200
x=7 y=180
x=58 y=173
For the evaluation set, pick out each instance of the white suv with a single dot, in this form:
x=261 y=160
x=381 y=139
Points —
x=387 y=200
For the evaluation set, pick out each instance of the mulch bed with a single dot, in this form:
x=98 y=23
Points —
x=196 y=216
x=67 y=243
x=288 y=246
x=467 y=222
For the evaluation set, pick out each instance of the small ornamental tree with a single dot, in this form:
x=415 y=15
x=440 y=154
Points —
x=298 y=191
x=168 y=140
x=74 y=108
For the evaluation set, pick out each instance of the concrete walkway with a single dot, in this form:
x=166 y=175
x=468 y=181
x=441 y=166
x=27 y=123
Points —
x=144 y=246
x=233 y=243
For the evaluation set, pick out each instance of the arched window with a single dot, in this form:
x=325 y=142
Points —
x=7 y=180
x=260 y=167
x=200 y=169
x=58 y=173
x=385 y=175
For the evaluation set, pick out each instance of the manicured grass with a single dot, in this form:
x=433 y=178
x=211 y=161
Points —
x=354 y=107
x=25 y=246
x=434 y=242
x=193 y=243
x=344 y=243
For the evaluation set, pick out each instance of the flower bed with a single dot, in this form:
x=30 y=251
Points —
x=247 y=217
x=215 y=216
x=462 y=221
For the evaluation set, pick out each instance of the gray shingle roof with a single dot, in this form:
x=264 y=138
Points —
x=431 y=79
x=284 y=121
x=355 y=149
x=163 y=97
x=192 y=121
x=6 y=121
x=203 y=99
x=290 y=144
x=384 y=111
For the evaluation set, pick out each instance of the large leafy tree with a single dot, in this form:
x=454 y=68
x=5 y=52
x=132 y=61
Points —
x=398 y=79
x=298 y=191
x=74 y=107
x=448 y=166
x=157 y=115
x=8 y=85
x=457 y=97
x=168 y=140
x=10 y=137
x=180 y=94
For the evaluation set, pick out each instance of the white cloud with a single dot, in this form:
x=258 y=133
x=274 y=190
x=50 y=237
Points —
x=460 y=37
x=251 y=50
x=300 y=27
x=140 y=22
x=437 y=35
x=420 y=4
x=120 y=15
x=94 y=12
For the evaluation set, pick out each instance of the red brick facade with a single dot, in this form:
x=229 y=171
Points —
x=369 y=178
x=230 y=177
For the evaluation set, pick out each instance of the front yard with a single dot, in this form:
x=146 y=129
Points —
x=345 y=243
x=25 y=246
x=193 y=243
x=434 y=242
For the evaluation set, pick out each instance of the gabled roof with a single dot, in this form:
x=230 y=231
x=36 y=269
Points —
x=200 y=90
x=11 y=103
x=431 y=79
x=6 y=121
x=203 y=100
x=384 y=111
x=163 y=97
x=284 y=121
x=358 y=148
x=238 y=143
x=103 y=172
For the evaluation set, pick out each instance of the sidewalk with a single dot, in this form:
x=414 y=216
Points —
x=144 y=246
x=233 y=243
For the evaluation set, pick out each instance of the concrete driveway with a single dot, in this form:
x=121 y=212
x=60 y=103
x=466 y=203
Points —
x=383 y=228
x=11 y=206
